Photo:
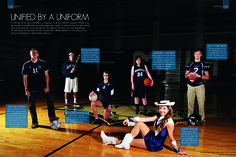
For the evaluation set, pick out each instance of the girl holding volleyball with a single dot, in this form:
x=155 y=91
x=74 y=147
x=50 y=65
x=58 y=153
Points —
x=105 y=89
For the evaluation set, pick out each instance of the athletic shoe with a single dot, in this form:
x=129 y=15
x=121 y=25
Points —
x=76 y=105
x=203 y=122
x=34 y=125
x=114 y=116
x=96 y=121
x=66 y=106
x=53 y=118
x=145 y=113
x=137 y=110
x=145 y=110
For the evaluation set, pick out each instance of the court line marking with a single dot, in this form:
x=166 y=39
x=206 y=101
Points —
x=71 y=141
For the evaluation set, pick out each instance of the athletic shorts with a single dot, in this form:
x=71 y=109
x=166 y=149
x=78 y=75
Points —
x=139 y=90
x=152 y=142
x=71 y=85
x=105 y=104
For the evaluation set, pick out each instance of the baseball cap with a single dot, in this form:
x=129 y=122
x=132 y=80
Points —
x=71 y=53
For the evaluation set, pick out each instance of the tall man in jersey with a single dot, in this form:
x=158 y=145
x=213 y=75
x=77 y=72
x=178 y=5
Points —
x=36 y=79
x=196 y=87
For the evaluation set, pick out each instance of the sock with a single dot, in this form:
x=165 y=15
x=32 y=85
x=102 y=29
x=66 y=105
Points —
x=74 y=100
x=66 y=101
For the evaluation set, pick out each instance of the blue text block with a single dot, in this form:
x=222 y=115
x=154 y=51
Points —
x=10 y=4
x=16 y=116
x=90 y=55
x=76 y=117
x=217 y=51
x=225 y=4
x=163 y=60
x=189 y=136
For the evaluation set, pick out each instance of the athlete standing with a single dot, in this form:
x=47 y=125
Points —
x=36 y=79
x=197 y=88
x=71 y=81
x=139 y=72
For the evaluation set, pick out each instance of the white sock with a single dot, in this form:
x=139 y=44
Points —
x=74 y=100
x=66 y=101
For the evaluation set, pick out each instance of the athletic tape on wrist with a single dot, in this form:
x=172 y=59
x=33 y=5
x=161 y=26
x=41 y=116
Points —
x=174 y=146
x=134 y=119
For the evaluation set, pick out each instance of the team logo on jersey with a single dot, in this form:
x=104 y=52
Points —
x=104 y=87
x=39 y=67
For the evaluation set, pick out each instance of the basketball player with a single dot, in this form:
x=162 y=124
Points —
x=150 y=140
x=197 y=88
x=71 y=81
x=36 y=79
x=139 y=72
x=106 y=91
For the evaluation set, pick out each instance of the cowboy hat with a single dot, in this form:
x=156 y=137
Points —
x=164 y=102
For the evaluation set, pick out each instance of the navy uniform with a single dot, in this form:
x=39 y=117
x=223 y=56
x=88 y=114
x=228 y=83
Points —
x=71 y=82
x=67 y=67
x=106 y=91
x=196 y=88
x=139 y=77
x=36 y=83
x=154 y=141
x=199 y=68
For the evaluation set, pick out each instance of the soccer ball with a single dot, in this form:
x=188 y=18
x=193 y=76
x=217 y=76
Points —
x=55 y=124
x=93 y=97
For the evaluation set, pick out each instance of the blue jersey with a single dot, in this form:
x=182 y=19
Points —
x=199 y=68
x=139 y=74
x=67 y=67
x=35 y=74
x=106 y=91
x=155 y=140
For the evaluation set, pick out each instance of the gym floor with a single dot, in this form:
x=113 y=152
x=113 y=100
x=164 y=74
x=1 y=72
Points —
x=217 y=138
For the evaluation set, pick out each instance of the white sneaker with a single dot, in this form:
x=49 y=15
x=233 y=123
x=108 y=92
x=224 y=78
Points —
x=107 y=140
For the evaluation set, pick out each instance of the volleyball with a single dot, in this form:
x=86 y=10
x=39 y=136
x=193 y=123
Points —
x=55 y=124
x=93 y=97
x=147 y=82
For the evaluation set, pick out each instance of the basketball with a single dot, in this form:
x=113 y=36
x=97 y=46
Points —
x=93 y=97
x=147 y=82
x=192 y=77
x=55 y=124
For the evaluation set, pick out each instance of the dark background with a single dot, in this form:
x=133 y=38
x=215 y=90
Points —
x=122 y=29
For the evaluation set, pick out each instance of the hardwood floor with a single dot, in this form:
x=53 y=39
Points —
x=217 y=138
